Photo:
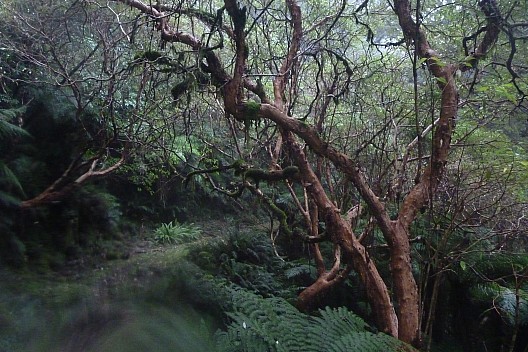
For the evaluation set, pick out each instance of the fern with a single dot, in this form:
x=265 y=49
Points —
x=299 y=271
x=495 y=266
x=176 y=233
x=340 y=321
x=508 y=306
x=11 y=184
x=9 y=130
x=272 y=324
x=7 y=175
x=7 y=200
x=503 y=299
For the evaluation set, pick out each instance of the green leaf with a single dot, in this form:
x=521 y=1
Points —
x=437 y=61
x=441 y=80
x=10 y=179
x=523 y=163
x=487 y=175
x=8 y=130
x=482 y=89
x=463 y=265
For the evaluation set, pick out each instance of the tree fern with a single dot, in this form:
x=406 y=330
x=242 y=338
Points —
x=272 y=324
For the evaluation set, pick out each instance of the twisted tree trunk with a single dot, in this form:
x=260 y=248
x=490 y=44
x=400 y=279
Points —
x=403 y=323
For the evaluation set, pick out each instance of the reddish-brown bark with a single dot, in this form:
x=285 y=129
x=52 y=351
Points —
x=310 y=297
x=354 y=252
x=65 y=186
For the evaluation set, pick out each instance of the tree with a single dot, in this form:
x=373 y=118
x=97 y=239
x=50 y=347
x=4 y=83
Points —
x=236 y=66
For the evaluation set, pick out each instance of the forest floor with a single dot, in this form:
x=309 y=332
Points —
x=37 y=305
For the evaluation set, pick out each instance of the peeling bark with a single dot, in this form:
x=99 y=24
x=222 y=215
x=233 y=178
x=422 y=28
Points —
x=308 y=299
x=405 y=288
x=355 y=253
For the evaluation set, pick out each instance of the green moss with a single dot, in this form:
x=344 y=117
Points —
x=181 y=87
x=151 y=56
x=251 y=110
x=258 y=175
x=290 y=171
x=239 y=166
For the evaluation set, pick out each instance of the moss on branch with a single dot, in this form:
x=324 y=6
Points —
x=258 y=175
x=239 y=166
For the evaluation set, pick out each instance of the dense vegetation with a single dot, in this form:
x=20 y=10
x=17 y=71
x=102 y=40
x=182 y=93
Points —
x=263 y=175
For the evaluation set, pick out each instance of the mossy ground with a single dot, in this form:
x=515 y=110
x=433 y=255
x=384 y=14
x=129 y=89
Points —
x=36 y=305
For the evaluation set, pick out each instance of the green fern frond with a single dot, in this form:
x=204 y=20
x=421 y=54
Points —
x=493 y=266
x=503 y=299
x=272 y=324
x=10 y=180
x=9 y=130
x=12 y=113
x=300 y=270
x=509 y=305
x=341 y=321
x=7 y=200
x=365 y=341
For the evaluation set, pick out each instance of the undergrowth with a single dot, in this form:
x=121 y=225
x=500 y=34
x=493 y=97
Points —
x=272 y=324
x=176 y=233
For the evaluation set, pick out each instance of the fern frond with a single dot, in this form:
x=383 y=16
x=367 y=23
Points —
x=300 y=270
x=505 y=299
x=272 y=324
x=10 y=179
x=8 y=130
x=365 y=341
x=12 y=113
x=7 y=200
x=341 y=320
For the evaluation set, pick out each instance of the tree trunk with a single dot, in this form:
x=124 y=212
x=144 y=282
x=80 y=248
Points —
x=354 y=252
x=395 y=232
x=405 y=288
x=64 y=186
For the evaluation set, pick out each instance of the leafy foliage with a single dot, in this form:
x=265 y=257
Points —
x=11 y=189
x=7 y=129
x=247 y=258
x=98 y=209
x=496 y=266
x=300 y=271
x=8 y=180
x=272 y=324
x=359 y=99
x=512 y=306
